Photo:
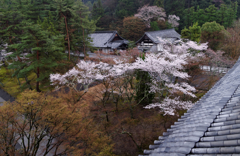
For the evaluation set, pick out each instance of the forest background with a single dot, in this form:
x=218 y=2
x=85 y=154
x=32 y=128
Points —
x=113 y=13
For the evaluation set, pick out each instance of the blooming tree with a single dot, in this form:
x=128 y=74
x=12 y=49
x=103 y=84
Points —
x=170 y=63
x=173 y=20
x=161 y=67
x=86 y=73
x=216 y=59
x=147 y=13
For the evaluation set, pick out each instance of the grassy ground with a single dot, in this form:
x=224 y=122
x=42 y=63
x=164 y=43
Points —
x=11 y=84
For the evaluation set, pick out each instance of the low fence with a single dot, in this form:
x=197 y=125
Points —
x=220 y=70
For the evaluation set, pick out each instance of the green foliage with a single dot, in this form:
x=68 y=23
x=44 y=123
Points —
x=212 y=27
x=46 y=51
x=133 y=28
x=193 y=33
x=131 y=44
x=159 y=3
x=143 y=79
x=154 y=26
x=224 y=15
x=74 y=24
x=212 y=33
x=185 y=33
x=97 y=10
x=126 y=8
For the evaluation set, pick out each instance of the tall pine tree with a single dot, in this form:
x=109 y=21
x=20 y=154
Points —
x=73 y=23
x=44 y=47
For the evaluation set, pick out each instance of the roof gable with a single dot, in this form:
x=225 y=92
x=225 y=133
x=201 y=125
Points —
x=167 y=33
x=101 y=38
x=105 y=38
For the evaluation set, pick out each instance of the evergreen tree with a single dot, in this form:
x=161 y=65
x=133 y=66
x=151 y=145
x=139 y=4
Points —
x=188 y=16
x=84 y=27
x=225 y=15
x=126 y=8
x=44 y=49
x=159 y=3
x=222 y=17
x=201 y=16
x=97 y=11
x=203 y=4
x=193 y=32
x=211 y=13
x=185 y=33
x=232 y=11
x=154 y=26
x=73 y=23
x=37 y=8
x=10 y=23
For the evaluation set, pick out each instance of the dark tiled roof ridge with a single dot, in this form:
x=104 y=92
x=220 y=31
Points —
x=161 y=30
x=166 y=33
x=181 y=137
x=104 y=39
x=113 y=31
x=6 y=96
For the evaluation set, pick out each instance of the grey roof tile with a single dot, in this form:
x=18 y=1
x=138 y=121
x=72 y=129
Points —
x=167 y=33
x=216 y=143
x=5 y=96
x=104 y=39
x=215 y=118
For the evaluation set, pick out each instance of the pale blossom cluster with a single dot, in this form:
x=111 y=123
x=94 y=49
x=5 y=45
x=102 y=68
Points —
x=147 y=13
x=173 y=20
x=168 y=105
x=217 y=59
x=150 y=13
x=192 y=50
x=87 y=72
x=161 y=67
x=84 y=73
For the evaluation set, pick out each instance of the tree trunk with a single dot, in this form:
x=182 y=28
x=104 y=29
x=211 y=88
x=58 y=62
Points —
x=38 y=72
x=67 y=36
x=107 y=116
x=84 y=47
x=84 y=51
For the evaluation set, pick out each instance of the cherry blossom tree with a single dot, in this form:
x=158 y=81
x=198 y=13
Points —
x=147 y=13
x=162 y=67
x=217 y=59
x=173 y=20
x=170 y=63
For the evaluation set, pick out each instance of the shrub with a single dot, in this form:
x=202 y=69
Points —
x=212 y=32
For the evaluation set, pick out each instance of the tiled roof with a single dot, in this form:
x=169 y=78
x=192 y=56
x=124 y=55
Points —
x=210 y=128
x=167 y=33
x=5 y=96
x=103 y=39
